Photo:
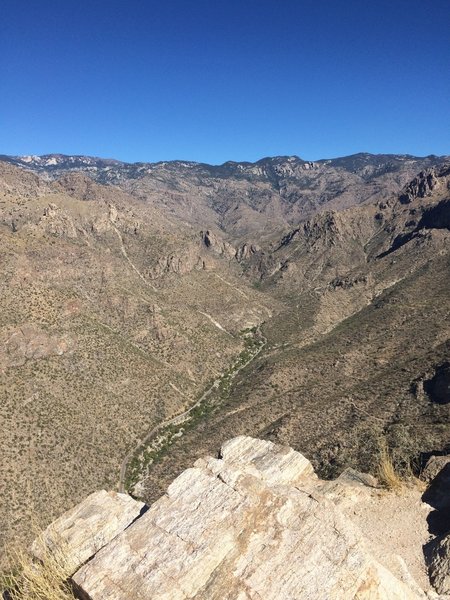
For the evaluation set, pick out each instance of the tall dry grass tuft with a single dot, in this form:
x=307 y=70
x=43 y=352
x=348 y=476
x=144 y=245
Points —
x=387 y=474
x=46 y=579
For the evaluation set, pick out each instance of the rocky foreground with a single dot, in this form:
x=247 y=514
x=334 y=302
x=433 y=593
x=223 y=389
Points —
x=257 y=523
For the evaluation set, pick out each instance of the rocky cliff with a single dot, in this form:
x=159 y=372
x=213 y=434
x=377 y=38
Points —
x=256 y=523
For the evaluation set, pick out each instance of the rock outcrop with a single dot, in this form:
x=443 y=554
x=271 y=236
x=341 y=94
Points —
x=85 y=529
x=423 y=184
x=255 y=523
x=177 y=264
x=437 y=551
x=440 y=566
x=437 y=495
x=213 y=242
x=29 y=342
x=435 y=465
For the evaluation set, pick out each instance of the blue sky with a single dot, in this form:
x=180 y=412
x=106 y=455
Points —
x=218 y=80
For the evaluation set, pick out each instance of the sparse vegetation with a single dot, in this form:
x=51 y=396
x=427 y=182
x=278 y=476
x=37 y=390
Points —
x=395 y=471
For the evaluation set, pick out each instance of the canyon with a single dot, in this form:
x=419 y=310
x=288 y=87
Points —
x=309 y=299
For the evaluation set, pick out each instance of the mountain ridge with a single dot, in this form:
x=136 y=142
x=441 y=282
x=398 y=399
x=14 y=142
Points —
x=41 y=160
x=247 y=202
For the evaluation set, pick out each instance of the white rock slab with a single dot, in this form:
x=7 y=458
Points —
x=273 y=463
x=248 y=526
x=82 y=531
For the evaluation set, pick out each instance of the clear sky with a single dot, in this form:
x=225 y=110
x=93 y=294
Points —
x=209 y=80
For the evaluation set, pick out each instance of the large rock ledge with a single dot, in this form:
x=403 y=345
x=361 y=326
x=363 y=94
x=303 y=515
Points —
x=254 y=524
x=82 y=531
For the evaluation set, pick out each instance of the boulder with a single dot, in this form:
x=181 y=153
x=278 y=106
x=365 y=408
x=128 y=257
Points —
x=434 y=466
x=439 y=566
x=80 y=532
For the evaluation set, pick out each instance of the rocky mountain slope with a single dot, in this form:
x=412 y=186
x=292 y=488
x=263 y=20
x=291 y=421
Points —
x=128 y=289
x=111 y=320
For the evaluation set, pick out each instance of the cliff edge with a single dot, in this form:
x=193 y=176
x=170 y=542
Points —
x=254 y=524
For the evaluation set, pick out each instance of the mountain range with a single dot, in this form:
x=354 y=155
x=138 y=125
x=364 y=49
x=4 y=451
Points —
x=131 y=290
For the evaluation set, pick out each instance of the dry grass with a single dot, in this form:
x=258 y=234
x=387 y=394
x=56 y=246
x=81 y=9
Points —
x=387 y=474
x=46 y=579
x=391 y=477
